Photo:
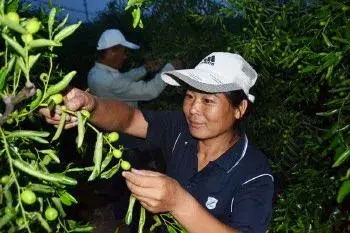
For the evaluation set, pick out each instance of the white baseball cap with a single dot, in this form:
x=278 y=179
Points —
x=218 y=72
x=113 y=37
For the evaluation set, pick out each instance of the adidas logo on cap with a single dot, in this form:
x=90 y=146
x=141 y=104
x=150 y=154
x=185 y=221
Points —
x=209 y=60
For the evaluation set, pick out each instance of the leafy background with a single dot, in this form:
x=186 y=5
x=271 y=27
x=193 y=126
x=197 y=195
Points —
x=301 y=115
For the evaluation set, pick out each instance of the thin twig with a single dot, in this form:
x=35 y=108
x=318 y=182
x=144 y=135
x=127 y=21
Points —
x=12 y=101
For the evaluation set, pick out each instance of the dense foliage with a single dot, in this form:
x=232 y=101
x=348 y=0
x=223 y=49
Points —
x=301 y=116
x=36 y=180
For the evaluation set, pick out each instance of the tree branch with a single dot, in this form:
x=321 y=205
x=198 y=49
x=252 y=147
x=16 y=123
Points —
x=11 y=101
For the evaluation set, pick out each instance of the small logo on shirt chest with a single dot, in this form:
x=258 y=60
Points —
x=211 y=203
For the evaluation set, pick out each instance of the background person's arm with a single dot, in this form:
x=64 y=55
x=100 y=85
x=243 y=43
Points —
x=128 y=90
x=139 y=73
x=135 y=74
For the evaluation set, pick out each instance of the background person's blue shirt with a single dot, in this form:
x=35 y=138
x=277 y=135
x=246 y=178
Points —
x=237 y=188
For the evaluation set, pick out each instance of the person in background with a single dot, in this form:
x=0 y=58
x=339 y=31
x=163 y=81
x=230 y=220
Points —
x=106 y=81
x=215 y=180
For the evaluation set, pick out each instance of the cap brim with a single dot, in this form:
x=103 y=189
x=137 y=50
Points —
x=130 y=45
x=202 y=80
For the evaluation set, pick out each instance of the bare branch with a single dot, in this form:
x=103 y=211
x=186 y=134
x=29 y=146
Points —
x=11 y=101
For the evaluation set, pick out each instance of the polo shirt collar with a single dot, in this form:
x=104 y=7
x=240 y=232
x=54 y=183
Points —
x=232 y=156
x=105 y=67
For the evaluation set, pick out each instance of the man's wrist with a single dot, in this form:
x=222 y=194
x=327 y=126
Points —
x=92 y=106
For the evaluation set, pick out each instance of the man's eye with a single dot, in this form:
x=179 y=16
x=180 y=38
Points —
x=208 y=101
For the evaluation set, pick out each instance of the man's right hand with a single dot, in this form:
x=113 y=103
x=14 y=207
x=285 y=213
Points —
x=154 y=65
x=74 y=100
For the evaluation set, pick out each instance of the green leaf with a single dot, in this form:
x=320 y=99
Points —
x=132 y=3
x=67 y=198
x=136 y=13
x=33 y=59
x=65 y=32
x=72 y=223
x=39 y=139
x=97 y=156
x=83 y=229
x=58 y=204
x=52 y=154
x=326 y=40
x=77 y=169
x=343 y=191
x=43 y=222
x=156 y=224
x=106 y=161
x=5 y=71
x=12 y=25
x=43 y=43
x=3 y=75
x=170 y=229
x=335 y=90
x=64 y=21
x=342 y=158
x=81 y=129
x=329 y=113
x=12 y=6
x=141 y=24
x=28 y=133
x=309 y=69
x=335 y=142
x=20 y=63
x=14 y=44
x=51 y=20
x=41 y=188
x=108 y=174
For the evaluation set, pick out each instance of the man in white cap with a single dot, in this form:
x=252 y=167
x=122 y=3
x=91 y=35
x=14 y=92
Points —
x=105 y=80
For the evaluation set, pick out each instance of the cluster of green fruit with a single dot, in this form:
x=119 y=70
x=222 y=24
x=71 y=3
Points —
x=31 y=26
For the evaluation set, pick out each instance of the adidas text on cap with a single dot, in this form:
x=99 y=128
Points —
x=218 y=72
x=113 y=37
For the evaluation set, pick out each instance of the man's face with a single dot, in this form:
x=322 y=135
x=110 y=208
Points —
x=117 y=55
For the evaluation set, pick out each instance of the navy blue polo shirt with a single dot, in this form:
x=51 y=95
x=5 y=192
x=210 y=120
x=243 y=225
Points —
x=236 y=188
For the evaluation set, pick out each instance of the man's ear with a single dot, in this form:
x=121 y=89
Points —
x=241 y=109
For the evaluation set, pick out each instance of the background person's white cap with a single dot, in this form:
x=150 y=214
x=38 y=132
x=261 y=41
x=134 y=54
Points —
x=113 y=37
x=218 y=72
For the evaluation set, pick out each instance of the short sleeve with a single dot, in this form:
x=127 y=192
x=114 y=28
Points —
x=164 y=128
x=252 y=206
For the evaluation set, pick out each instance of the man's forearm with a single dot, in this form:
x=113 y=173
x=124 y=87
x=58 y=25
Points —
x=195 y=219
x=135 y=74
